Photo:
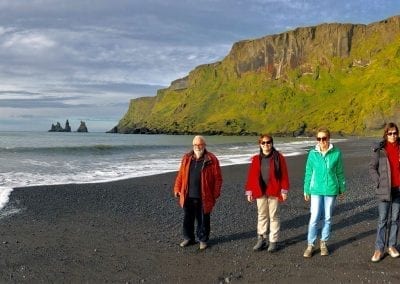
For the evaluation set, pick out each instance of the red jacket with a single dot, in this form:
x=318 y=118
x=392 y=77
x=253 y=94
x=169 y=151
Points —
x=211 y=180
x=274 y=186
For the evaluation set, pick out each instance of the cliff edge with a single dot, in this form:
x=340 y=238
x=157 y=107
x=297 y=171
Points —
x=343 y=76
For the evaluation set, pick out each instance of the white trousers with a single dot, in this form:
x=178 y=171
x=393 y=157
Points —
x=268 y=217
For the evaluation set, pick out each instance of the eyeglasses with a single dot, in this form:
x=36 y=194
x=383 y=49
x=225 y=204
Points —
x=266 y=142
x=322 y=138
x=391 y=133
x=197 y=145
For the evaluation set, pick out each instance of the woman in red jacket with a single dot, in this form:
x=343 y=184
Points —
x=268 y=184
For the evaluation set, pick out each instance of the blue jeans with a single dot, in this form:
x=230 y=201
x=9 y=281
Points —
x=385 y=226
x=321 y=208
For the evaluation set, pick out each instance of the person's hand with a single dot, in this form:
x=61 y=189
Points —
x=306 y=197
x=250 y=198
x=341 y=197
x=176 y=194
x=284 y=196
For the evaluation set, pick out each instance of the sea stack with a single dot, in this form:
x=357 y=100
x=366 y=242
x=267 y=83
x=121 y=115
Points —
x=82 y=127
x=58 y=128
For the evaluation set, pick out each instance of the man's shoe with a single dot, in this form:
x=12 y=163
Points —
x=309 y=251
x=260 y=243
x=393 y=252
x=323 y=248
x=186 y=243
x=377 y=256
x=272 y=247
x=203 y=245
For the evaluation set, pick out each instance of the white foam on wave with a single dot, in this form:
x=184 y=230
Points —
x=294 y=154
x=9 y=211
x=94 y=171
x=4 y=195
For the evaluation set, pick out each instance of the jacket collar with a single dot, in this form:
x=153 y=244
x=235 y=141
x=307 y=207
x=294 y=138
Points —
x=318 y=149
x=382 y=144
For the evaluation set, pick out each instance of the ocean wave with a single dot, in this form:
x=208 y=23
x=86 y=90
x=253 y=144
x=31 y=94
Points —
x=63 y=159
x=73 y=150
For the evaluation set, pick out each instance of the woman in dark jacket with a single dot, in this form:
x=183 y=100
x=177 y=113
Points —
x=384 y=169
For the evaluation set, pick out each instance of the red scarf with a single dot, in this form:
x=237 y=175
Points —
x=393 y=152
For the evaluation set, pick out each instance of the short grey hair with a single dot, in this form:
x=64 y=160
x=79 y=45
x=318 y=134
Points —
x=200 y=137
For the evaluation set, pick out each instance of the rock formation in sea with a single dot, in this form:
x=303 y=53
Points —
x=67 y=127
x=82 y=127
x=58 y=128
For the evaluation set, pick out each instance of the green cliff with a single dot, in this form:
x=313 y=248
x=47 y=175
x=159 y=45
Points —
x=343 y=76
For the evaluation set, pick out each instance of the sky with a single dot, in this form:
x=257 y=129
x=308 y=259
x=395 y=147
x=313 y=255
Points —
x=86 y=59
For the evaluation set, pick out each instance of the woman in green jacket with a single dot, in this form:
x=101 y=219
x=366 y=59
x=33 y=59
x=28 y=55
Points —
x=323 y=182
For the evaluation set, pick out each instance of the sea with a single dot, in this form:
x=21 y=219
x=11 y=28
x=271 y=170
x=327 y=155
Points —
x=49 y=158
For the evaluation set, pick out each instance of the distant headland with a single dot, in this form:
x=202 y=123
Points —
x=58 y=128
x=342 y=76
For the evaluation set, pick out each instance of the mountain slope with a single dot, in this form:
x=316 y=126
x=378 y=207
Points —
x=343 y=76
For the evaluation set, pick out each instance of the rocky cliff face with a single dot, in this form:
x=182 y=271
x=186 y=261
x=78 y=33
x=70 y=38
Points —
x=259 y=68
x=308 y=47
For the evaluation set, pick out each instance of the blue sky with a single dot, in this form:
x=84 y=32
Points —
x=85 y=59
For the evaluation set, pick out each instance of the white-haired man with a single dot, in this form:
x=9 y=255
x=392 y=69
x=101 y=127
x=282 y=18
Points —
x=198 y=185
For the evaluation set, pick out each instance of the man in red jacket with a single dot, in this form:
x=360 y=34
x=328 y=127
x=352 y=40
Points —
x=268 y=184
x=198 y=185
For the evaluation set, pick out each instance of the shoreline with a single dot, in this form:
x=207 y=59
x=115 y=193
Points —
x=129 y=230
x=10 y=183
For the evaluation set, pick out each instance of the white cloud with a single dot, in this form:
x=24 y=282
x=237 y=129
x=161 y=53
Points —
x=28 y=40
x=86 y=53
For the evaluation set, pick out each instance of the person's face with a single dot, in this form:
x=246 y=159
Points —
x=323 y=140
x=392 y=135
x=198 y=147
x=266 y=145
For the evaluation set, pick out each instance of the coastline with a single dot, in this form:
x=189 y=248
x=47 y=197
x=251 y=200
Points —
x=129 y=230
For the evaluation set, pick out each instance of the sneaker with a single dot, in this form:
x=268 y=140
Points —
x=309 y=251
x=377 y=256
x=203 y=245
x=186 y=243
x=393 y=252
x=272 y=247
x=260 y=243
x=323 y=248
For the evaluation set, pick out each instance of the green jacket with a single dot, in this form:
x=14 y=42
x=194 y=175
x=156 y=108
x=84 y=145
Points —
x=324 y=174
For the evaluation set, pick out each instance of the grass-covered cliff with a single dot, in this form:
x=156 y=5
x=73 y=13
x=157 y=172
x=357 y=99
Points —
x=343 y=76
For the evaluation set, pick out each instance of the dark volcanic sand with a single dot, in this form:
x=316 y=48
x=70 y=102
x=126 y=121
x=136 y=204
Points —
x=128 y=232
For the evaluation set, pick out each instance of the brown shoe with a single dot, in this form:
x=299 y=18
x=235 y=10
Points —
x=377 y=256
x=393 y=252
x=309 y=251
x=323 y=248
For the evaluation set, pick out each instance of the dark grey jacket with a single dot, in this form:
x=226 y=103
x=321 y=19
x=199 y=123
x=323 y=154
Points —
x=379 y=169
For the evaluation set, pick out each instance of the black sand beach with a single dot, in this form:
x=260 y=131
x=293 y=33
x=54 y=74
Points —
x=128 y=232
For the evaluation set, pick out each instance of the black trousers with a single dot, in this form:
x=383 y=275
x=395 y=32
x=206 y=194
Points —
x=193 y=212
